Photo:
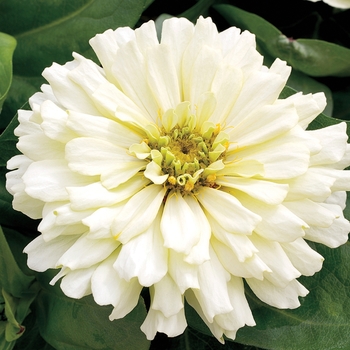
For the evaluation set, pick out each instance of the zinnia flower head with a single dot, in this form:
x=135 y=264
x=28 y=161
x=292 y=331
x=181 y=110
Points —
x=176 y=167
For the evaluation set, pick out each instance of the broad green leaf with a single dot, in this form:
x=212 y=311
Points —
x=313 y=57
x=7 y=46
x=12 y=279
x=69 y=324
x=17 y=292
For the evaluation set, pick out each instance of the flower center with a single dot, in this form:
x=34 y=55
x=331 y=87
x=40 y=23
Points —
x=182 y=154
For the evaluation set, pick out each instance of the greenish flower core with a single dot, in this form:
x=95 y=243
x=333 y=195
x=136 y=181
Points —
x=186 y=155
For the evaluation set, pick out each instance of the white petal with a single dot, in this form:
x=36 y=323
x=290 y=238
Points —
x=144 y=257
x=77 y=284
x=162 y=76
x=308 y=106
x=334 y=235
x=54 y=122
x=86 y=252
x=108 y=288
x=200 y=252
x=47 y=180
x=184 y=274
x=266 y=191
x=250 y=267
x=96 y=195
x=261 y=88
x=157 y=322
x=176 y=33
x=102 y=128
x=90 y=156
x=282 y=298
x=213 y=294
x=44 y=255
x=240 y=245
x=276 y=259
x=228 y=211
x=305 y=259
x=139 y=213
x=40 y=147
x=241 y=315
x=333 y=140
x=100 y=221
x=129 y=69
x=155 y=174
x=311 y=212
x=68 y=93
x=166 y=290
x=179 y=226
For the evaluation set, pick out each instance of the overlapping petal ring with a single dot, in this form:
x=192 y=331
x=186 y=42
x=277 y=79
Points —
x=175 y=166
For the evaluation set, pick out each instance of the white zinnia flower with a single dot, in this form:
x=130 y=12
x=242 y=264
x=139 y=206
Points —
x=176 y=167
x=341 y=4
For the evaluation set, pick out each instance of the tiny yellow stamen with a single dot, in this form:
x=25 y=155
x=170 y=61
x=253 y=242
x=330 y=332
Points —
x=172 y=180
x=189 y=186
x=211 y=178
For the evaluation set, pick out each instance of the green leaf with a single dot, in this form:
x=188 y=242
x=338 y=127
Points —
x=17 y=292
x=7 y=47
x=313 y=57
x=12 y=279
x=69 y=324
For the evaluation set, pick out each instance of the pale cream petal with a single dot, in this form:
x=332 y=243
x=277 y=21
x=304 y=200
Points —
x=176 y=34
x=333 y=141
x=108 y=288
x=68 y=93
x=200 y=252
x=266 y=191
x=129 y=69
x=213 y=293
x=184 y=274
x=40 y=147
x=154 y=172
x=134 y=219
x=54 y=122
x=166 y=290
x=276 y=259
x=91 y=156
x=213 y=326
x=162 y=77
x=44 y=255
x=155 y=322
x=96 y=195
x=228 y=211
x=304 y=259
x=241 y=315
x=179 y=225
x=100 y=221
x=102 y=128
x=254 y=129
x=144 y=257
x=251 y=267
x=76 y=284
x=334 y=235
x=47 y=180
x=86 y=252
x=282 y=298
